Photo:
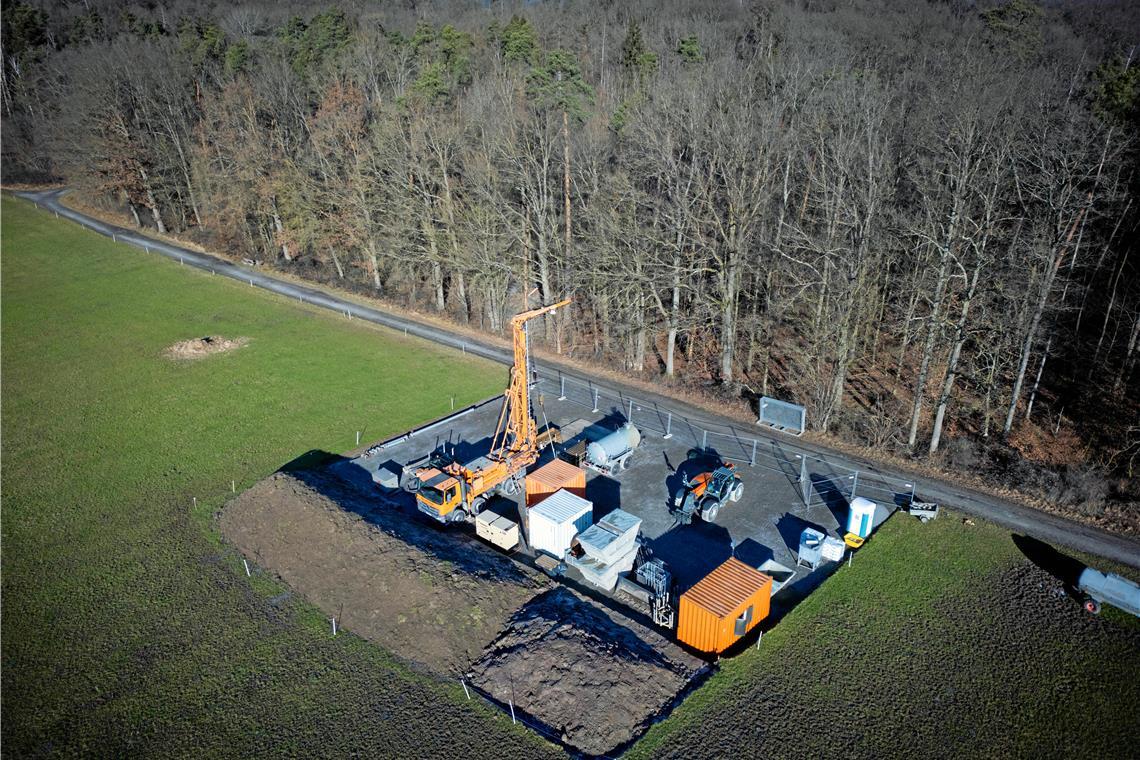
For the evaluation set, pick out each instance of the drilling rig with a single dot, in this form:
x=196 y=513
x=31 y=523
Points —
x=452 y=491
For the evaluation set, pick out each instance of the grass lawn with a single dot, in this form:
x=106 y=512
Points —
x=128 y=628
x=940 y=640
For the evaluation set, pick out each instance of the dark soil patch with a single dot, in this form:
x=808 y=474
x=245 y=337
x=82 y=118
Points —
x=427 y=596
x=593 y=676
x=199 y=348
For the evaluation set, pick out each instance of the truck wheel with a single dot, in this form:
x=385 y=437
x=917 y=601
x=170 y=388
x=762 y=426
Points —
x=1092 y=606
x=511 y=486
x=477 y=504
x=625 y=463
x=737 y=492
x=459 y=516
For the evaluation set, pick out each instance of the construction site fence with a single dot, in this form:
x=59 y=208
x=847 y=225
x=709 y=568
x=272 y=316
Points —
x=816 y=479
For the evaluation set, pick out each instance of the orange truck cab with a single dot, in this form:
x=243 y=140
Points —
x=457 y=492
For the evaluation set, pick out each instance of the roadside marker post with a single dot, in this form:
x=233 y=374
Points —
x=333 y=621
x=562 y=388
x=357 y=437
x=246 y=563
x=752 y=462
x=512 y=704
x=233 y=486
x=668 y=426
x=464 y=683
x=595 y=400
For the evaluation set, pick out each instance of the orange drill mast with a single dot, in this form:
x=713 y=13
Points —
x=452 y=491
x=516 y=433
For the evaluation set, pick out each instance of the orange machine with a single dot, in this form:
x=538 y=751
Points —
x=451 y=491
x=723 y=606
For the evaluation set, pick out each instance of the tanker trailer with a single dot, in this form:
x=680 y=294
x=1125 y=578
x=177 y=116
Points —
x=612 y=453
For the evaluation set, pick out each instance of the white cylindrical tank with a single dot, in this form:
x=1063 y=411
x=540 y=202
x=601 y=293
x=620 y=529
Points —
x=861 y=517
x=625 y=439
x=1112 y=588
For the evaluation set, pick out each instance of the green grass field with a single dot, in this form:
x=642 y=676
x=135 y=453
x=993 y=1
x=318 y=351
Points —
x=940 y=640
x=128 y=629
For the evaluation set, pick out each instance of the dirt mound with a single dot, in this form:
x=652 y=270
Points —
x=591 y=674
x=430 y=597
x=201 y=347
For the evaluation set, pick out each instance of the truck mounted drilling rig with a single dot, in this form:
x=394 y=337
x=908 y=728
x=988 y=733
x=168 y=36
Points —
x=452 y=491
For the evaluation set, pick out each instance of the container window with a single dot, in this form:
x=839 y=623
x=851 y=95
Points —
x=743 y=621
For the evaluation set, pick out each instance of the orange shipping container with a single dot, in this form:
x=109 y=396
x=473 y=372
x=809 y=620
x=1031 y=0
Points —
x=552 y=476
x=726 y=604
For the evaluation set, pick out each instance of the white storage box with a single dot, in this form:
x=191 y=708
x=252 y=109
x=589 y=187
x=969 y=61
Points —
x=554 y=521
x=611 y=537
x=833 y=549
x=604 y=575
x=496 y=529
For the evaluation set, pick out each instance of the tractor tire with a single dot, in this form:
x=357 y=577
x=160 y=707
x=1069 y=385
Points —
x=708 y=514
x=737 y=492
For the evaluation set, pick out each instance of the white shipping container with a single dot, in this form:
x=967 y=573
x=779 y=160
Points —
x=554 y=521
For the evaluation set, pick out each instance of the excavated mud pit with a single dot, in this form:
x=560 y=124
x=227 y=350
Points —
x=447 y=603
x=593 y=676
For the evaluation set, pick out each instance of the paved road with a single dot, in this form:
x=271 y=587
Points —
x=1041 y=525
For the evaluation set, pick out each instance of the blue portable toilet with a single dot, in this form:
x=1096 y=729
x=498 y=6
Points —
x=861 y=517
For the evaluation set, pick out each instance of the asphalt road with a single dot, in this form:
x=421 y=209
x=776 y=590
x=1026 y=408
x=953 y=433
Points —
x=1041 y=525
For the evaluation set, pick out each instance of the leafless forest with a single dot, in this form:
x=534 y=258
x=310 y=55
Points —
x=919 y=219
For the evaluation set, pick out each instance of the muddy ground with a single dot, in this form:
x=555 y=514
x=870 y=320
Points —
x=447 y=603
x=427 y=596
x=593 y=676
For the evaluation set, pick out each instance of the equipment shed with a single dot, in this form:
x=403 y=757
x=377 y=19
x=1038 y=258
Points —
x=723 y=606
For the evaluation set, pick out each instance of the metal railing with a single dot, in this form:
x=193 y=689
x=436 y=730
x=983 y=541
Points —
x=816 y=479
